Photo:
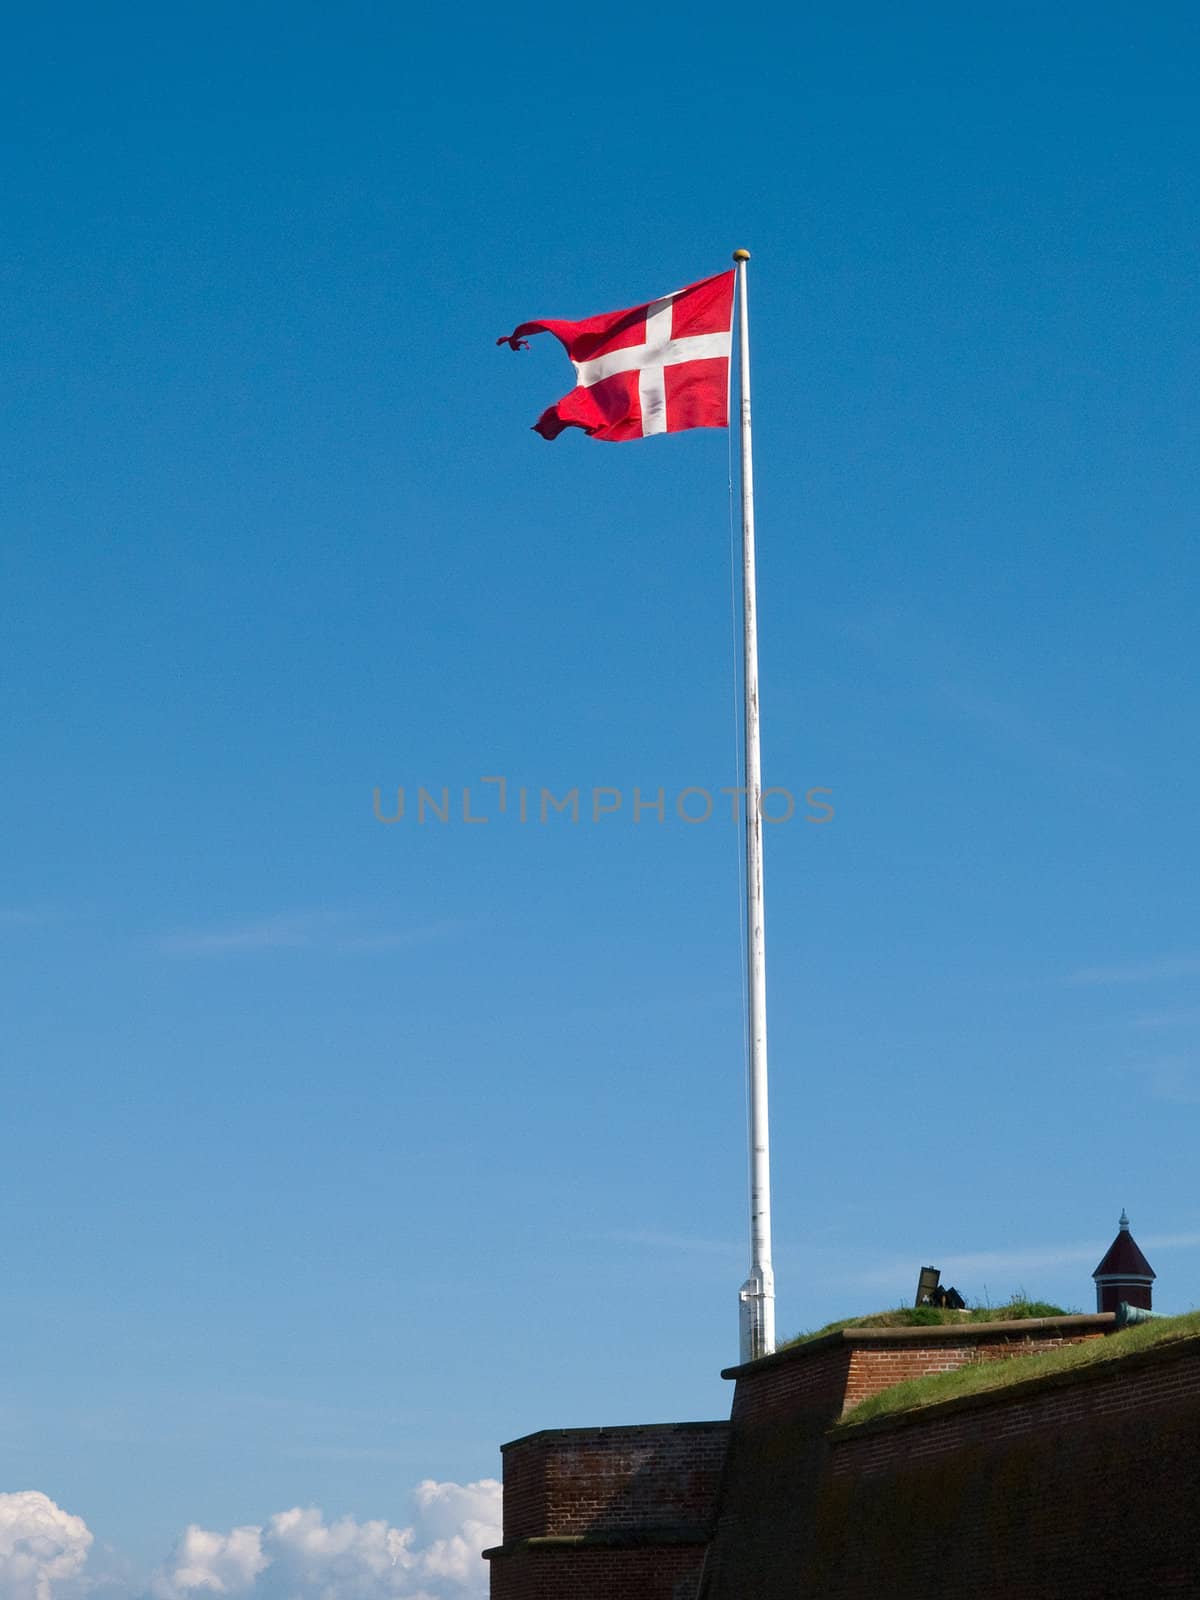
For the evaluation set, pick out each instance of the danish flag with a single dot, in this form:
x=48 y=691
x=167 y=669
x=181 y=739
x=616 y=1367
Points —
x=657 y=368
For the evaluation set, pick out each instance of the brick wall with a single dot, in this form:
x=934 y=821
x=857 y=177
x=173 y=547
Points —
x=875 y=1367
x=824 y=1377
x=1164 y=1375
x=779 y=1504
x=807 y=1382
x=608 y=1513
x=589 y=1480
x=779 y=1454
x=598 y=1574
x=1080 y=1483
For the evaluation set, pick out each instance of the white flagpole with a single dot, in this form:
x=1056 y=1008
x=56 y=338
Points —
x=757 y=1297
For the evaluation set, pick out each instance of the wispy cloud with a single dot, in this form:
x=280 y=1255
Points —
x=1012 y=727
x=976 y=1264
x=1006 y=1266
x=1183 y=1017
x=336 y=932
x=954 y=683
x=343 y=1452
x=679 y=1243
x=27 y=916
x=1174 y=1078
x=271 y=933
x=407 y=938
x=1159 y=969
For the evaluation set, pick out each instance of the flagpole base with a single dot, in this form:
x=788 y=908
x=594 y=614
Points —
x=756 y=1315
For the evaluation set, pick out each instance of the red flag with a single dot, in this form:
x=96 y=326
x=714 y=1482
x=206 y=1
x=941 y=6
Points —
x=657 y=368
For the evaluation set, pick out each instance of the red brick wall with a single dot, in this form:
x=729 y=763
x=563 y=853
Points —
x=584 y=1480
x=793 y=1385
x=834 y=1373
x=1168 y=1375
x=525 y=1488
x=1081 y=1484
x=877 y=1367
x=589 y=1574
x=632 y=1507
x=779 y=1453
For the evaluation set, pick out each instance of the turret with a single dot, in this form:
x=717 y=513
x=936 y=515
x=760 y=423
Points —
x=1124 y=1273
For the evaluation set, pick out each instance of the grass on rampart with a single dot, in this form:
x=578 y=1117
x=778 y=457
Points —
x=980 y=1376
x=1013 y=1310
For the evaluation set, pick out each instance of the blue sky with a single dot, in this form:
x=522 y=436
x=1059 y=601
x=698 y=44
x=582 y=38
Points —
x=336 y=1152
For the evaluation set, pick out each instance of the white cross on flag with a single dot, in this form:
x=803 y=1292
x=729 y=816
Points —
x=657 y=368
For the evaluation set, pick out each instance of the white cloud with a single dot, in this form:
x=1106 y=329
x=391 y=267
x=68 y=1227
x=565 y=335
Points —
x=219 y=1563
x=298 y=1555
x=1009 y=1264
x=1172 y=1078
x=460 y=1521
x=969 y=1266
x=335 y=931
x=686 y=1244
x=1160 y=970
x=272 y=933
x=1183 y=1017
x=43 y=1549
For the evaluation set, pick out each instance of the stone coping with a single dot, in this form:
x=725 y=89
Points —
x=614 y=1539
x=934 y=1333
x=621 y=1430
x=1106 y=1367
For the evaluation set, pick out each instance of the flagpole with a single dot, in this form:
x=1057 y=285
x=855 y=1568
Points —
x=757 y=1297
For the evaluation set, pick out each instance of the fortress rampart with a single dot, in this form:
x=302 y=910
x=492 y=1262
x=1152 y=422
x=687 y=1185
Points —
x=1077 y=1482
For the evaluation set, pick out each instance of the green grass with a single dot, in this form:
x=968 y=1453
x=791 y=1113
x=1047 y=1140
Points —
x=979 y=1377
x=1013 y=1310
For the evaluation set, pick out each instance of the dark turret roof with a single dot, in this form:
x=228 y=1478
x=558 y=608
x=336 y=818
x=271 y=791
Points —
x=1123 y=1259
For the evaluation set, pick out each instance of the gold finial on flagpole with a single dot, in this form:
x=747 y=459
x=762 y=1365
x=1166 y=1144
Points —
x=741 y=255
